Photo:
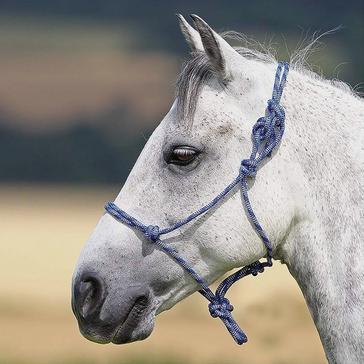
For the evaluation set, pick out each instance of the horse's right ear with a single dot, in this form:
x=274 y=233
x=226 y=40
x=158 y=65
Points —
x=191 y=35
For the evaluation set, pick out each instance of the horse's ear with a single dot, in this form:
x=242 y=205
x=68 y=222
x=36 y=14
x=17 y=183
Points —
x=217 y=49
x=191 y=35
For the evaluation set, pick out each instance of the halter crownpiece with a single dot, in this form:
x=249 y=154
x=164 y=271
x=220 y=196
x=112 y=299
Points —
x=266 y=136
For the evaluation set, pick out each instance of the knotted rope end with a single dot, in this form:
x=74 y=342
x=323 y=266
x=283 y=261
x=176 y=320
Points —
x=222 y=308
x=242 y=339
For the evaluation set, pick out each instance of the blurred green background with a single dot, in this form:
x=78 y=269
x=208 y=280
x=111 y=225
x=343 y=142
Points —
x=82 y=86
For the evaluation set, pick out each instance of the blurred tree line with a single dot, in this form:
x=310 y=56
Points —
x=91 y=152
x=99 y=153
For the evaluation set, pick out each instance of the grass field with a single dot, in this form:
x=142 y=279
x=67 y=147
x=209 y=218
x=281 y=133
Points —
x=42 y=231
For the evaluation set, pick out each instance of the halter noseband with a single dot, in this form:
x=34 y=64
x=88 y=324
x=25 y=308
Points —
x=266 y=135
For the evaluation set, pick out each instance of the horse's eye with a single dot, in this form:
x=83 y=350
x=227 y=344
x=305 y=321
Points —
x=182 y=155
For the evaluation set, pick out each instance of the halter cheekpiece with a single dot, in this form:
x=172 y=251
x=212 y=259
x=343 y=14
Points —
x=266 y=136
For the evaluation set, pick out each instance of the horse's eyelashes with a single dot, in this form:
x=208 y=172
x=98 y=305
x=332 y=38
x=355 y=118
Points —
x=182 y=155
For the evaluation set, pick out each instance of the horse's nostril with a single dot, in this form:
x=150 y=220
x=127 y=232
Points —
x=88 y=295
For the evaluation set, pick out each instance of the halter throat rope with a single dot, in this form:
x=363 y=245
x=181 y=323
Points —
x=267 y=133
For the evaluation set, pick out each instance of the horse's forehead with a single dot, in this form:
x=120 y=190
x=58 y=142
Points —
x=205 y=123
x=216 y=110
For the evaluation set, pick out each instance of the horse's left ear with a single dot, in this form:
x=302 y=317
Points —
x=221 y=54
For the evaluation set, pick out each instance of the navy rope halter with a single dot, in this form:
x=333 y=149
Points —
x=266 y=135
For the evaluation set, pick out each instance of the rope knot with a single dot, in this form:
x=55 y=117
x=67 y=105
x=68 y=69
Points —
x=221 y=308
x=277 y=111
x=260 y=129
x=256 y=268
x=248 y=168
x=152 y=232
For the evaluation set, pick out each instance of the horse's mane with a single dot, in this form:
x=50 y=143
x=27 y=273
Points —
x=197 y=70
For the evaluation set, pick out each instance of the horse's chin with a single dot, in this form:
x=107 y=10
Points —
x=134 y=329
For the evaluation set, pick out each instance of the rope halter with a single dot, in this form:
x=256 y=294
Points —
x=266 y=136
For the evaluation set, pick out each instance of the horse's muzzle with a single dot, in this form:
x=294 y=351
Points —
x=105 y=318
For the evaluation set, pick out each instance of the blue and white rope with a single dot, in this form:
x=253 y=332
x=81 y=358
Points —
x=266 y=136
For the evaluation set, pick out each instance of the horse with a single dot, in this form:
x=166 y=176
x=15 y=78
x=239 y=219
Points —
x=308 y=196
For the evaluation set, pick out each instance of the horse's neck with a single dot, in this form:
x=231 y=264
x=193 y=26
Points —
x=324 y=249
x=332 y=284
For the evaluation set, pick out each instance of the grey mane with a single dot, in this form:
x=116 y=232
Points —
x=197 y=71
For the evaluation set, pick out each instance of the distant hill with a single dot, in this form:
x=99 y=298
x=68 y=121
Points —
x=55 y=72
x=82 y=153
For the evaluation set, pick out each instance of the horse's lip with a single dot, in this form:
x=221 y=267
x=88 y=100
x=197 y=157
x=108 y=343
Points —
x=125 y=329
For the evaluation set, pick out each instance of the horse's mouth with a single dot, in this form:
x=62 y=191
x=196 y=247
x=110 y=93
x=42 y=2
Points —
x=138 y=324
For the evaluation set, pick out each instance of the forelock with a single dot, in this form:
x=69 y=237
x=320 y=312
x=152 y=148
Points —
x=196 y=71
